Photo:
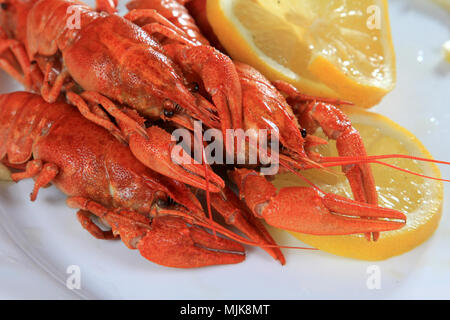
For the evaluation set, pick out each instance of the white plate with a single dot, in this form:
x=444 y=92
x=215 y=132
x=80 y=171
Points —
x=44 y=238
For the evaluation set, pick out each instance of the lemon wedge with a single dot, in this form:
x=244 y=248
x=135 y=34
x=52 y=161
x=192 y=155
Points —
x=444 y=4
x=419 y=198
x=330 y=48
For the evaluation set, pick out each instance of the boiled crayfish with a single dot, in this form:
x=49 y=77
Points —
x=127 y=64
x=157 y=215
x=265 y=106
x=113 y=62
x=122 y=68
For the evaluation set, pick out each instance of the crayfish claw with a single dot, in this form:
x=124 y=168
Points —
x=309 y=210
x=172 y=242
x=328 y=214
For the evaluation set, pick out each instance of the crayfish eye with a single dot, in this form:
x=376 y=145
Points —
x=194 y=87
x=168 y=113
x=304 y=133
x=4 y=6
x=170 y=108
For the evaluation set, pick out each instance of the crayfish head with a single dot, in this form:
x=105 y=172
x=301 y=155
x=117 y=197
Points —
x=155 y=87
x=265 y=108
x=128 y=66
x=180 y=107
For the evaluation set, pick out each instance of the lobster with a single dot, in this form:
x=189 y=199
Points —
x=265 y=106
x=159 y=216
x=109 y=59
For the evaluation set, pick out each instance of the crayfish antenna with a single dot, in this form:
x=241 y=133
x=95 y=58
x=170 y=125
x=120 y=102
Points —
x=293 y=93
x=338 y=161
x=220 y=229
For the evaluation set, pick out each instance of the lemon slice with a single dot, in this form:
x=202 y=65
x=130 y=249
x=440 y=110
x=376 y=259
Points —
x=444 y=4
x=419 y=198
x=332 y=48
x=446 y=48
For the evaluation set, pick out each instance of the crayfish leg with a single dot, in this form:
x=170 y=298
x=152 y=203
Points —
x=114 y=111
x=51 y=93
x=32 y=168
x=95 y=116
x=20 y=54
x=237 y=214
x=44 y=175
x=166 y=240
x=137 y=14
x=336 y=125
x=293 y=93
x=85 y=219
x=322 y=112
